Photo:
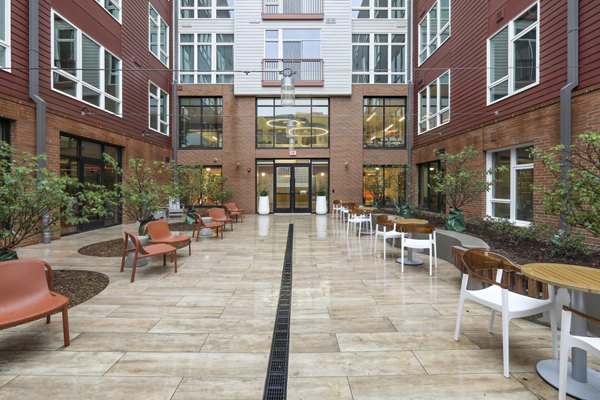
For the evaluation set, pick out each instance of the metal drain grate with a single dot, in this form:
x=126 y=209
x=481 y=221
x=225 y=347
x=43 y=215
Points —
x=276 y=381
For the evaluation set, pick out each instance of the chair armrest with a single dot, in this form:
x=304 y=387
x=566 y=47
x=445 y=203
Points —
x=582 y=315
x=49 y=276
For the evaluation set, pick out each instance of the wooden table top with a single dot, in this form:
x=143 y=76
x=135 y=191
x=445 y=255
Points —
x=402 y=221
x=574 y=277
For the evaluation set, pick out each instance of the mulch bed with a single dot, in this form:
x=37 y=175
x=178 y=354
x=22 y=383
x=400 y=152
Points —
x=79 y=286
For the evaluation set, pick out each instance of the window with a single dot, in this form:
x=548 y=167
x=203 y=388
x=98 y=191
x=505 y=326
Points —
x=384 y=121
x=378 y=58
x=512 y=196
x=4 y=34
x=83 y=69
x=386 y=181
x=158 y=101
x=428 y=198
x=201 y=122
x=159 y=36
x=434 y=29
x=293 y=43
x=308 y=126
x=113 y=7
x=4 y=130
x=513 y=56
x=434 y=103
x=206 y=58
x=378 y=9
x=206 y=8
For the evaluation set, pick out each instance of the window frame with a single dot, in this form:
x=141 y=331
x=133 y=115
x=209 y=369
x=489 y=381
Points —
x=213 y=74
x=384 y=106
x=158 y=96
x=435 y=39
x=512 y=200
x=280 y=41
x=438 y=114
x=159 y=22
x=401 y=181
x=441 y=202
x=371 y=74
x=6 y=44
x=201 y=107
x=372 y=8
x=213 y=9
x=512 y=38
x=77 y=79
x=118 y=6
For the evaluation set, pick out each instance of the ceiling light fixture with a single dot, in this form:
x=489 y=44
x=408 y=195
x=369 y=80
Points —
x=288 y=90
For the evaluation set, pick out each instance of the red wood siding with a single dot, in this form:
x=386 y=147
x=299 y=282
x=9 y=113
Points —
x=15 y=83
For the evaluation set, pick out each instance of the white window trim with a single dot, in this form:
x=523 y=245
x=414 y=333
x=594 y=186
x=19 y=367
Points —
x=158 y=21
x=280 y=41
x=7 y=44
x=438 y=114
x=511 y=39
x=437 y=38
x=117 y=4
x=157 y=97
x=514 y=167
x=213 y=59
x=371 y=71
x=78 y=78
x=213 y=8
x=371 y=8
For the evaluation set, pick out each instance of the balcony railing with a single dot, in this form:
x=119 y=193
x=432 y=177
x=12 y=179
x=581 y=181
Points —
x=292 y=9
x=307 y=71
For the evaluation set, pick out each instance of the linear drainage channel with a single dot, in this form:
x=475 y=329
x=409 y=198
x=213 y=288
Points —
x=277 y=372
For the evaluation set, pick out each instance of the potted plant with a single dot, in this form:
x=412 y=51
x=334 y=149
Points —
x=376 y=185
x=263 y=202
x=214 y=190
x=35 y=200
x=321 y=207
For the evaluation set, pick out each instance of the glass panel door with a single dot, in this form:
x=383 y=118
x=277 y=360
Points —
x=292 y=189
x=283 y=192
x=301 y=189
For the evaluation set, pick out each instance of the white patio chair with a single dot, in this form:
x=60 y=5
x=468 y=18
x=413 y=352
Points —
x=357 y=217
x=509 y=292
x=385 y=230
x=428 y=243
x=174 y=209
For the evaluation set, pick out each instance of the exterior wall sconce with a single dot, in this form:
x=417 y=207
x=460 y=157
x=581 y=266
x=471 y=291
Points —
x=346 y=164
x=248 y=169
x=215 y=160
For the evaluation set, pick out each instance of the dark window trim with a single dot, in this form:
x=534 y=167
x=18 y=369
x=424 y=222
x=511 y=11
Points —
x=367 y=146
x=401 y=194
x=440 y=207
x=201 y=106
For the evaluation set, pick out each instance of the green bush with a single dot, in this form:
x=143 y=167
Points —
x=570 y=245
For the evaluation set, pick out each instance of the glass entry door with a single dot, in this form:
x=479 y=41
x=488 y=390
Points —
x=292 y=189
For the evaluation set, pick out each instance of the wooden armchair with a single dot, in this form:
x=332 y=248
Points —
x=160 y=233
x=219 y=215
x=26 y=294
x=145 y=252
x=233 y=210
x=199 y=224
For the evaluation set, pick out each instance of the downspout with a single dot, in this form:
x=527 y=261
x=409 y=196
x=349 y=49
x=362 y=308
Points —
x=566 y=94
x=34 y=94
x=409 y=105
x=175 y=108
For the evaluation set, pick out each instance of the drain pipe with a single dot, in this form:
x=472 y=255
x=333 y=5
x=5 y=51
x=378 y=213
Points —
x=175 y=78
x=409 y=107
x=34 y=94
x=566 y=95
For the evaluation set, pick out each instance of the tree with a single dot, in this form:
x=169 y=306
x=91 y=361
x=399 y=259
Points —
x=578 y=197
x=214 y=190
x=29 y=190
x=189 y=184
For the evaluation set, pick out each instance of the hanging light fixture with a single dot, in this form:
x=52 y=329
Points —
x=291 y=123
x=288 y=95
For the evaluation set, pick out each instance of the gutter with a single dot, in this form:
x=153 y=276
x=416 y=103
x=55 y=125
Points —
x=566 y=94
x=34 y=94
x=409 y=105
x=175 y=108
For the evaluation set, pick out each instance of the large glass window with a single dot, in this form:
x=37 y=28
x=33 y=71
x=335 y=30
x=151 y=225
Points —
x=4 y=130
x=511 y=196
x=378 y=9
x=201 y=122
x=206 y=8
x=428 y=198
x=513 y=56
x=158 y=101
x=304 y=125
x=83 y=69
x=378 y=58
x=113 y=7
x=434 y=104
x=293 y=43
x=434 y=29
x=159 y=36
x=4 y=34
x=384 y=121
x=206 y=58
x=385 y=184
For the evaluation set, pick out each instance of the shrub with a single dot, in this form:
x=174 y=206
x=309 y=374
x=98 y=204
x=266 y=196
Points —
x=570 y=245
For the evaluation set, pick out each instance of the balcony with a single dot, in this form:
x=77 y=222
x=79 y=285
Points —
x=292 y=9
x=307 y=71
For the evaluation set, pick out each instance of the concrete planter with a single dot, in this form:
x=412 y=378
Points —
x=263 y=205
x=129 y=260
x=321 y=207
x=206 y=231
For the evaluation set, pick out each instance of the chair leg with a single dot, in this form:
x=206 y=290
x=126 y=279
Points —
x=123 y=262
x=505 y=359
x=461 y=304
x=430 y=260
x=402 y=256
x=552 y=314
x=565 y=349
x=48 y=318
x=384 y=248
x=174 y=255
x=65 y=320
x=164 y=259
x=134 y=267
x=190 y=247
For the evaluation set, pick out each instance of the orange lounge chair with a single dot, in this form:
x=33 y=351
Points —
x=160 y=233
x=233 y=210
x=199 y=224
x=219 y=215
x=26 y=294
x=145 y=252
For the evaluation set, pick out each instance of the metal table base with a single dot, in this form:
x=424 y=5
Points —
x=590 y=390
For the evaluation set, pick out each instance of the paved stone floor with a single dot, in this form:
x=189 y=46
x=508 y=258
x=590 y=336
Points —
x=360 y=328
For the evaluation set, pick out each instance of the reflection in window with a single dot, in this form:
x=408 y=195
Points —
x=378 y=58
x=385 y=184
x=206 y=58
x=378 y=9
x=5 y=33
x=434 y=29
x=308 y=125
x=159 y=36
x=201 y=122
x=158 y=101
x=384 y=121
x=434 y=103
x=428 y=198
x=206 y=8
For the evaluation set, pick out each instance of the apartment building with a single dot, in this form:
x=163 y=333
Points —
x=493 y=74
x=83 y=78
x=347 y=123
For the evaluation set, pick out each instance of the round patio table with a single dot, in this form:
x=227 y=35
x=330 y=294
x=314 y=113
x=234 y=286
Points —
x=582 y=382
x=409 y=260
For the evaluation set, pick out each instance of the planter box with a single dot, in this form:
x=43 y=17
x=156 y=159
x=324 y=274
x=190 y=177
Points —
x=321 y=207
x=263 y=205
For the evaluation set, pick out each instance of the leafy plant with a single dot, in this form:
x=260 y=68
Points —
x=214 y=190
x=577 y=197
x=377 y=184
x=263 y=192
x=189 y=184
x=321 y=192
x=29 y=190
